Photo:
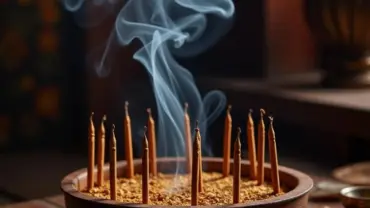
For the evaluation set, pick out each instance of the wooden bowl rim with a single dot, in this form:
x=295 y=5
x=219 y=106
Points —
x=305 y=184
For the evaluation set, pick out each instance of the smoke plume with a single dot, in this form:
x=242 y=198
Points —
x=169 y=28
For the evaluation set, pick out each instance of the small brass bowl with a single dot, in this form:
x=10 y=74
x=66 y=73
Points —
x=356 y=196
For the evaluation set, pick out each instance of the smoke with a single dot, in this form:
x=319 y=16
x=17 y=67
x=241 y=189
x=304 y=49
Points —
x=167 y=28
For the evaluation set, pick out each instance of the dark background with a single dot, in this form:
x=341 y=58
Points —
x=51 y=89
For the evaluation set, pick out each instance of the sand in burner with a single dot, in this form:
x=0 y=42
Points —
x=165 y=189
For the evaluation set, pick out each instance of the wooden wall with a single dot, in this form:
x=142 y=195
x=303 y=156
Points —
x=290 y=45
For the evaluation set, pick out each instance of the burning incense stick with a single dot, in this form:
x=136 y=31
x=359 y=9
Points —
x=237 y=169
x=199 y=137
x=101 y=152
x=152 y=144
x=195 y=171
x=251 y=147
x=113 y=166
x=227 y=143
x=145 y=170
x=187 y=138
x=273 y=158
x=261 y=150
x=91 y=153
x=128 y=144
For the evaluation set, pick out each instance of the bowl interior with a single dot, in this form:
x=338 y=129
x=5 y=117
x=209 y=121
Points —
x=176 y=165
x=357 y=192
x=297 y=184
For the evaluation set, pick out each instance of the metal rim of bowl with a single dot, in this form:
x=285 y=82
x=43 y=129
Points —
x=345 y=191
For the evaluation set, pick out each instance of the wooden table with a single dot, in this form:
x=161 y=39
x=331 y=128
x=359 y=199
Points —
x=49 y=202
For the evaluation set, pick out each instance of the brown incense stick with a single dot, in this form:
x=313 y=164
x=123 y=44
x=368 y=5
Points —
x=199 y=137
x=227 y=143
x=237 y=169
x=152 y=144
x=187 y=138
x=195 y=171
x=128 y=144
x=145 y=170
x=273 y=158
x=113 y=166
x=91 y=153
x=261 y=150
x=101 y=152
x=251 y=147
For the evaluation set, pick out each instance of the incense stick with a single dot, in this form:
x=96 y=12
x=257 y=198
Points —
x=251 y=147
x=187 y=138
x=237 y=169
x=145 y=170
x=199 y=137
x=128 y=143
x=91 y=154
x=195 y=171
x=101 y=152
x=273 y=158
x=227 y=143
x=261 y=150
x=152 y=144
x=113 y=166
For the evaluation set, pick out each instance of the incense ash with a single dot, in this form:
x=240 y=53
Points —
x=165 y=189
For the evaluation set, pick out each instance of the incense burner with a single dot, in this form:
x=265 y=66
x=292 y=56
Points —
x=299 y=185
x=340 y=28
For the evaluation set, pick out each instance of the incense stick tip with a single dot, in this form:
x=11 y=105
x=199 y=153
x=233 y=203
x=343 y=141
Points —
x=262 y=111
x=104 y=118
x=145 y=131
x=113 y=127
x=229 y=108
x=197 y=124
x=126 y=106
x=145 y=143
x=250 y=111
x=237 y=143
x=196 y=144
x=239 y=130
x=149 y=111
x=186 y=106
x=91 y=126
x=271 y=131
x=271 y=119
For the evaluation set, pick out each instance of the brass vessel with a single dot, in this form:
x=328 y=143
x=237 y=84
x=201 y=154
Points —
x=342 y=31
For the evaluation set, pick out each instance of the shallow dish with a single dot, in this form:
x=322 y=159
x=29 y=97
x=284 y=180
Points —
x=356 y=196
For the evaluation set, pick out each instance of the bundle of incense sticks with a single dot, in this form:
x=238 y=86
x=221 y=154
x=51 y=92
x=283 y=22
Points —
x=193 y=155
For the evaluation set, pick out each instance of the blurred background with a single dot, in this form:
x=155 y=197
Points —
x=49 y=87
